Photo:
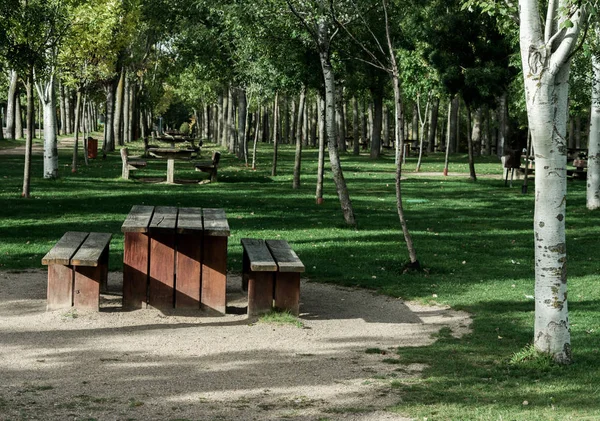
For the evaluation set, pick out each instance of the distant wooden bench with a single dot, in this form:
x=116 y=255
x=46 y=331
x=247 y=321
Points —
x=210 y=166
x=77 y=270
x=271 y=274
x=130 y=164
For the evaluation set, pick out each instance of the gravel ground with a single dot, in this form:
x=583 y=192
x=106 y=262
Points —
x=151 y=365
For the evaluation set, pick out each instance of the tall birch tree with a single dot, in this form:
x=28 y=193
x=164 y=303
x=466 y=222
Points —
x=547 y=44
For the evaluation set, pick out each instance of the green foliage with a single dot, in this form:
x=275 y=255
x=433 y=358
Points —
x=184 y=128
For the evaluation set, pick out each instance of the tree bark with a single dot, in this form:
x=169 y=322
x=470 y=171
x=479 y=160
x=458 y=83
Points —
x=477 y=132
x=29 y=139
x=433 y=122
x=11 y=105
x=470 y=146
x=230 y=140
x=593 y=172
x=355 y=136
x=299 y=138
x=118 y=119
x=126 y=111
x=341 y=119
x=109 y=138
x=502 y=124
x=18 y=117
x=321 y=158
x=76 y=132
x=47 y=95
x=63 y=110
x=334 y=158
x=275 y=143
x=242 y=125
x=377 y=120
x=453 y=125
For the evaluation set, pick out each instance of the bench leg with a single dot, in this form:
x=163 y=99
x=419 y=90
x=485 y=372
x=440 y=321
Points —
x=287 y=292
x=260 y=293
x=86 y=292
x=161 y=289
x=214 y=274
x=60 y=287
x=187 y=277
x=135 y=270
x=213 y=175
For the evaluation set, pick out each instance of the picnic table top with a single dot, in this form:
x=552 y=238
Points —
x=184 y=220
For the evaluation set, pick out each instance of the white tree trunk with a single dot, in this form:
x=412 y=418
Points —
x=546 y=75
x=593 y=177
x=47 y=96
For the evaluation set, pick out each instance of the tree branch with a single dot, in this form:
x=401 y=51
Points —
x=567 y=45
x=550 y=15
x=311 y=31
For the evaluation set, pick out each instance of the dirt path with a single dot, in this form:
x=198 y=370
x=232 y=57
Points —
x=148 y=365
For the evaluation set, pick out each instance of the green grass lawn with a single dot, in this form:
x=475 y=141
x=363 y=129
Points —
x=475 y=241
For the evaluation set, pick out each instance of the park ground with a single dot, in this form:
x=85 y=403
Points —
x=409 y=352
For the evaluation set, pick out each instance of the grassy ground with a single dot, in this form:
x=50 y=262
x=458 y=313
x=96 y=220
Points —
x=475 y=241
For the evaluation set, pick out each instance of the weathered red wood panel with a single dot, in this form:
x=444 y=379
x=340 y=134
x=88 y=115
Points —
x=86 y=290
x=260 y=293
x=287 y=292
x=161 y=288
x=189 y=255
x=136 y=259
x=214 y=274
x=60 y=287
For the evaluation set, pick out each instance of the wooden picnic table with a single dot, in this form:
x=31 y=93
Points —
x=171 y=154
x=175 y=257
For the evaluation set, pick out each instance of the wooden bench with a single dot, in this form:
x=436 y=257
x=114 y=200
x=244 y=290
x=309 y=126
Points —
x=271 y=274
x=130 y=164
x=77 y=270
x=210 y=166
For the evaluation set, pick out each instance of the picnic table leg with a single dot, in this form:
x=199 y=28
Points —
x=189 y=254
x=135 y=270
x=214 y=274
x=170 y=171
x=60 y=287
x=161 y=289
x=287 y=292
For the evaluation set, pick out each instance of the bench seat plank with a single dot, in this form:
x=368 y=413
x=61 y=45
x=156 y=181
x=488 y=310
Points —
x=138 y=219
x=91 y=250
x=189 y=221
x=64 y=249
x=164 y=218
x=215 y=223
x=260 y=259
x=286 y=258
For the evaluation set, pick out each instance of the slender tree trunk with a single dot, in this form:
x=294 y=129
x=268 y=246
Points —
x=299 y=139
x=126 y=112
x=502 y=124
x=364 y=127
x=433 y=122
x=256 y=134
x=242 y=125
x=453 y=125
x=334 y=158
x=109 y=138
x=76 y=132
x=414 y=262
x=377 y=120
x=225 y=131
x=118 y=121
x=207 y=125
x=68 y=110
x=29 y=139
x=275 y=143
x=355 y=136
x=472 y=175
x=449 y=135
x=230 y=139
x=321 y=158
x=11 y=105
x=18 y=117
x=477 y=132
x=593 y=175
x=63 y=109
x=341 y=119
x=386 y=127
x=314 y=123
x=292 y=138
